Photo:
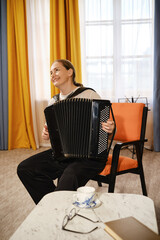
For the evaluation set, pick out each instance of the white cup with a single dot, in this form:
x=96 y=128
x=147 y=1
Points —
x=85 y=196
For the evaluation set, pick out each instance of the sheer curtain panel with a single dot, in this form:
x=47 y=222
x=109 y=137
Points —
x=38 y=22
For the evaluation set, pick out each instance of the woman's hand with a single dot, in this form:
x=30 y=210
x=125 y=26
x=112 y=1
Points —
x=45 y=133
x=108 y=126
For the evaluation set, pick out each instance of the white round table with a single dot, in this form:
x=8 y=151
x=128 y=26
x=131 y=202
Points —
x=45 y=220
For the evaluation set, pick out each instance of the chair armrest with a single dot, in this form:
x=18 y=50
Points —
x=120 y=145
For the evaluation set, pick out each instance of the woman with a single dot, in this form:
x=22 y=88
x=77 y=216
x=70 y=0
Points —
x=38 y=172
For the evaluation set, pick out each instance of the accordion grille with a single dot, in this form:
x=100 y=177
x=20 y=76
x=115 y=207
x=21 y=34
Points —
x=103 y=136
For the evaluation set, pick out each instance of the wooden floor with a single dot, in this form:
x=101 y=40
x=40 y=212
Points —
x=16 y=204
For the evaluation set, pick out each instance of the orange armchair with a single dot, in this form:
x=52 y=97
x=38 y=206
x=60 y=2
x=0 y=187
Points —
x=130 y=121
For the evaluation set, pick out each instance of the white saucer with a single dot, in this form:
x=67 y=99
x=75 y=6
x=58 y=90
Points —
x=94 y=204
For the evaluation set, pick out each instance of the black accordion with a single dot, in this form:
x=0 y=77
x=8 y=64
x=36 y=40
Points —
x=75 y=129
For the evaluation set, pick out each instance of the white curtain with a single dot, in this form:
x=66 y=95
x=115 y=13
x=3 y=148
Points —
x=117 y=50
x=38 y=28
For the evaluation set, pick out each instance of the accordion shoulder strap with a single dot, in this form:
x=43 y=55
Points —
x=78 y=91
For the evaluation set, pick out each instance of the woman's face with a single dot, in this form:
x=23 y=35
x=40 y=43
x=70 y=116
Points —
x=59 y=74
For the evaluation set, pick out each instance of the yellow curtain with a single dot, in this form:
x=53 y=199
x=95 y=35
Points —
x=65 y=35
x=20 y=129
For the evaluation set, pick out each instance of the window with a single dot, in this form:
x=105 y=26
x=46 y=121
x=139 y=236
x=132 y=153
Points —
x=117 y=47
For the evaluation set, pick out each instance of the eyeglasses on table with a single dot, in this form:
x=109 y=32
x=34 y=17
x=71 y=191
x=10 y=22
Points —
x=71 y=215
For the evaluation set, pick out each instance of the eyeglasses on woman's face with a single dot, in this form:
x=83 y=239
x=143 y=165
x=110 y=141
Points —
x=70 y=216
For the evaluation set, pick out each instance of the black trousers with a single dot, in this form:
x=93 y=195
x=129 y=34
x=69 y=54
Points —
x=38 y=172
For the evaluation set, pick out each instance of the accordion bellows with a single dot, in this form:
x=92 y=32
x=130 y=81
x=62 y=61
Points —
x=75 y=129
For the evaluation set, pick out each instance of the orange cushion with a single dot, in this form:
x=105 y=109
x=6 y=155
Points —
x=128 y=117
x=124 y=163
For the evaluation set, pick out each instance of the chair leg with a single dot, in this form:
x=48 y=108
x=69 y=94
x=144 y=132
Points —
x=112 y=184
x=99 y=183
x=111 y=188
x=143 y=184
x=139 y=151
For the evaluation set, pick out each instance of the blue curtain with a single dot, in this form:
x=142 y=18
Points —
x=156 y=89
x=3 y=77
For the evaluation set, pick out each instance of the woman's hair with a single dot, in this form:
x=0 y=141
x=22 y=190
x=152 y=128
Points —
x=67 y=64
